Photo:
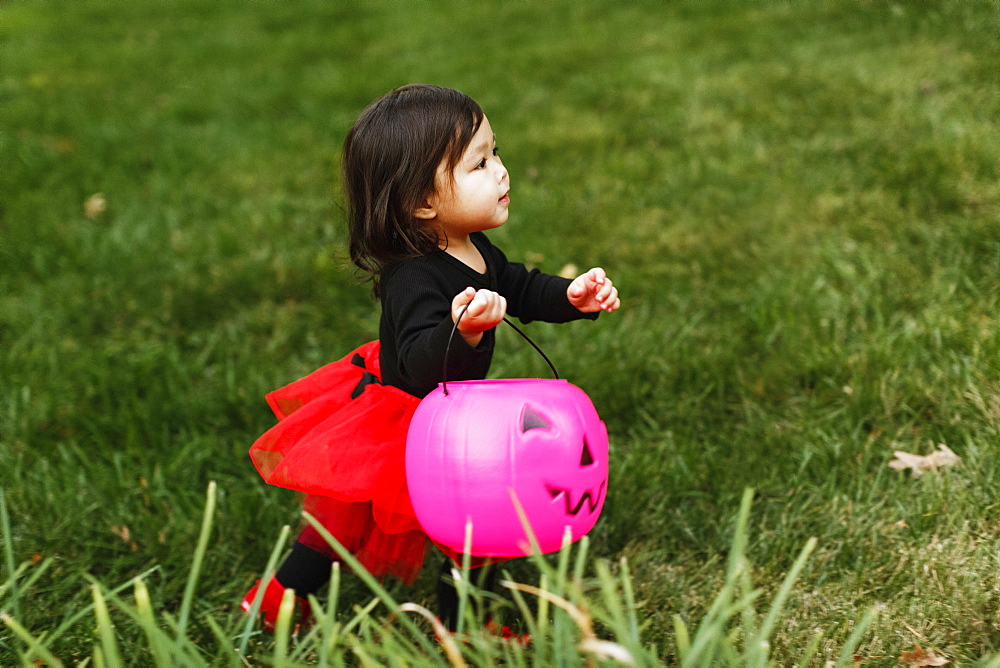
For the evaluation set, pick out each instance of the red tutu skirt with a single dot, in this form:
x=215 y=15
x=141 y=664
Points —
x=341 y=439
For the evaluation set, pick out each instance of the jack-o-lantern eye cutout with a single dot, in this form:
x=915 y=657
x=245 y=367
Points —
x=532 y=419
x=586 y=458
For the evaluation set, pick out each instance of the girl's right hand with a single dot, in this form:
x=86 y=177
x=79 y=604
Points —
x=486 y=310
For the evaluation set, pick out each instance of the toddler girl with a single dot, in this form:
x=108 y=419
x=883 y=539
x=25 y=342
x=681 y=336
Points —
x=423 y=181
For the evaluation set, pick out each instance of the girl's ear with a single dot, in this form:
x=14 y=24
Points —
x=426 y=210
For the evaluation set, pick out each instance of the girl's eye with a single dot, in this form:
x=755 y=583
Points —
x=482 y=163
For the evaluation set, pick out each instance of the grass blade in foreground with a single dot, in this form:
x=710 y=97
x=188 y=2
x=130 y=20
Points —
x=109 y=649
x=8 y=550
x=199 y=555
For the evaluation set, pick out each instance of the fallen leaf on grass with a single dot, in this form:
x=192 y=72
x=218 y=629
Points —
x=126 y=536
x=942 y=457
x=918 y=657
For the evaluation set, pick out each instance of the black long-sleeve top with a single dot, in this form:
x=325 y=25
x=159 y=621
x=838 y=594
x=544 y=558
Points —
x=416 y=313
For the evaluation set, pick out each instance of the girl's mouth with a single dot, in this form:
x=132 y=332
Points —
x=505 y=199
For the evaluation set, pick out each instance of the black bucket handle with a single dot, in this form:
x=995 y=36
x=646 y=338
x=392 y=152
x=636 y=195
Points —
x=447 y=350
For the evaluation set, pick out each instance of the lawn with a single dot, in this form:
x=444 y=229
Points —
x=800 y=203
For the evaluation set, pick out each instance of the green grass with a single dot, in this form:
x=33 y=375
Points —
x=799 y=201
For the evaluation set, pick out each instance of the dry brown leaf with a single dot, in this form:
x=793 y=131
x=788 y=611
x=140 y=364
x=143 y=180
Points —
x=918 y=657
x=126 y=536
x=940 y=458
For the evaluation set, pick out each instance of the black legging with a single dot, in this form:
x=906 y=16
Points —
x=305 y=570
x=484 y=577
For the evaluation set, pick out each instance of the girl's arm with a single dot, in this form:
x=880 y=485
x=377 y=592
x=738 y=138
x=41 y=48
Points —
x=416 y=326
x=532 y=295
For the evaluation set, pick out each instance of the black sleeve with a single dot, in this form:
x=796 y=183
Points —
x=416 y=311
x=532 y=295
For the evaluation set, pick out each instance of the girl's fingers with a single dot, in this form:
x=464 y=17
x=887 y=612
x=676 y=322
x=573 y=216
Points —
x=487 y=299
x=476 y=308
x=462 y=298
x=613 y=303
x=496 y=307
x=487 y=308
x=608 y=297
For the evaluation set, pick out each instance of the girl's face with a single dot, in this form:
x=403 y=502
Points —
x=475 y=195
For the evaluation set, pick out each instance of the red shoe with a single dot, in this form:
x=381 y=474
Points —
x=506 y=633
x=491 y=627
x=271 y=601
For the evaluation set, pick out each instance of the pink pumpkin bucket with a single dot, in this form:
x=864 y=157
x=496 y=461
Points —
x=472 y=445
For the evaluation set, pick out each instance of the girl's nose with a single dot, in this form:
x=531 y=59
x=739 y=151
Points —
x=501 y=173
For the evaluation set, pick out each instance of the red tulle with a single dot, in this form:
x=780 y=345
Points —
x=353 y=525
x=348 y=455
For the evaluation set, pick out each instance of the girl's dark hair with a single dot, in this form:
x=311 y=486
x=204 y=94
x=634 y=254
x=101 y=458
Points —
x=391 y=156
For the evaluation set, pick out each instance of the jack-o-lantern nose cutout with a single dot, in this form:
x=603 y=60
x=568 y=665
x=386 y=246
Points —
x=586 y=459
x=532 y=419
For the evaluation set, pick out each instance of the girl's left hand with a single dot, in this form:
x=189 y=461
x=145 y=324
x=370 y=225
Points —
x=593 y=291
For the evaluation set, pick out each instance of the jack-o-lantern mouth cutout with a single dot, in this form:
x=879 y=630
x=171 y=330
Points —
x=592 y=501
